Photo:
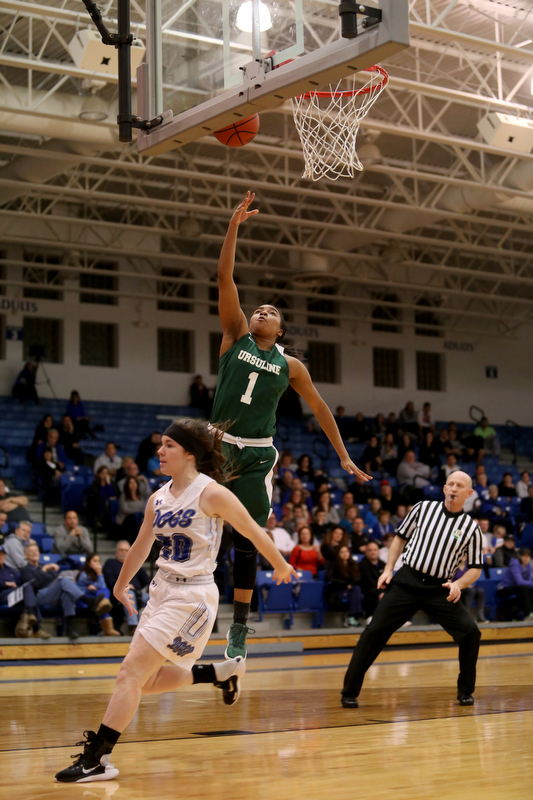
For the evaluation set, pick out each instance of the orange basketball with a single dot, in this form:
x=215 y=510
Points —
x=239 y=133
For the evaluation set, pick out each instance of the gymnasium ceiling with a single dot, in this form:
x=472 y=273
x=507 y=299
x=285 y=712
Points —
x=437 y=217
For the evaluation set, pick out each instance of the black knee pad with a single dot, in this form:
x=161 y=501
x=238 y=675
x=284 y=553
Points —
x=244 y=568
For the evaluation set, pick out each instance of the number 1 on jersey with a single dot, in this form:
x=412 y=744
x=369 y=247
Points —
x=252 y=380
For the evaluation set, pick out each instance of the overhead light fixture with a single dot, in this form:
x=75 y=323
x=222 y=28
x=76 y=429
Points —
x=93 y=108
x=189 y=227
x=369 y=153
x=245 y=15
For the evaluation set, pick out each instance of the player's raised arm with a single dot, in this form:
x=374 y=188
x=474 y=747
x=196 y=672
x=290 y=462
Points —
x=218 y=501
x=301 y=382
x=232 y=317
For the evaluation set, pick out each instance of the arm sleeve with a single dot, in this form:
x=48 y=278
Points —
x=83 y=580
x=475 y=550
x=410 y=522
x=514 y=566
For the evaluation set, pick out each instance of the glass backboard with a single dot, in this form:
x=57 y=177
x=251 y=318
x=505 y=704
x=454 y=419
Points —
x=211 y=55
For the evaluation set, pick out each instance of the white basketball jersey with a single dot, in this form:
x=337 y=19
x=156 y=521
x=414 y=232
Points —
x=189 y=537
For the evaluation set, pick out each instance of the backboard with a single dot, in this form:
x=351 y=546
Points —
x=213 y=62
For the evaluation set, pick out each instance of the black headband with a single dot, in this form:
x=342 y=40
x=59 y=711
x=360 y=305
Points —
x=188 y=442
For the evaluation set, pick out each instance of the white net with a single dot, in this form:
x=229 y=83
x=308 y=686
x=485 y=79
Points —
x=328 y=124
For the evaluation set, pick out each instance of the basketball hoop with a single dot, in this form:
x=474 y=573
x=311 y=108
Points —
x=328 y=124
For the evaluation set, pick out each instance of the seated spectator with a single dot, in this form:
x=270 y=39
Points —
x=378 y=428
x=506 y=552
x=138 y=585
x=4 y=528
x=360 y=490
x=491 y=443
x=24 y=386
x=59 y=457
x=471 y=595
x=408 y=420
x=523 y=485
x=324 y=504
x=305 y=469
x=16 y=545
x=389 y=454
x=69 y=440
x=296 y=501
x=109 y=459
x=80 y=419
x=305 y=555
x=371 y=457
x=286 y=462
x=481 y=487
x=370 y=568
x=343 y=592
x=131 y=502
x=319 y=526
x=405 y=444
x=39 y=436
x=200 y=396
x=294 y=523
x=131 y=470
x=526 y=506
x=49 y=474
x=472 y=503
x=71 y=538
x=147 y=448
x=52 y=589
x=399 y=515
x=444 y=445
x=428 y=453
x=426 y=422
x=280 y=536
x=371 y=516
x=347 y=522
x=448 y=467
x=412 y=476
x=506 y=486
x=344 y=425
x=384 y=551
x=391 y=426
x=91 y=580
x=360 y=430
x=383 y=526
x=492 y=508
x=335 y=538
x=153 y=465
x=347 y=502
x=359 y=537
x=15 y=505
x=487 y=536
x=101 y=496
x=389 y=499
x=517 y=580
x=28 y=623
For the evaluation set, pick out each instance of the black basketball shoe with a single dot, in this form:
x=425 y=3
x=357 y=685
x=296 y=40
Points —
x=234 y=668
x=90 y=765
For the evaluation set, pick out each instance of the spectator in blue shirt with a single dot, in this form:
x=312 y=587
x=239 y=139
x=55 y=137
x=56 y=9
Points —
x=92 y=581
x=29 y=622
x=518 y=581
x=371 y=516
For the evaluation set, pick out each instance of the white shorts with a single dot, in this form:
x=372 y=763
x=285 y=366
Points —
x=178 y=619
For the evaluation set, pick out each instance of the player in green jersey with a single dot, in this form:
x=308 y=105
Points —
x=254 y=373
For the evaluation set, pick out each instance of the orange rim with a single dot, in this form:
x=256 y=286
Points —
x=353 y=92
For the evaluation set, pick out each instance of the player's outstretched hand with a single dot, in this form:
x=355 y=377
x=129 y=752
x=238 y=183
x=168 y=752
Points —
x=125 y=599
x=284 y=575
x=241 y=213
x=350 y=467
x=454 y=591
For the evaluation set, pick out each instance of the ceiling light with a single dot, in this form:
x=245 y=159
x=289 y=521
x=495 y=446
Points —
x=93 y=108
x=245 y=15
x=369 y=153
x=189 y=227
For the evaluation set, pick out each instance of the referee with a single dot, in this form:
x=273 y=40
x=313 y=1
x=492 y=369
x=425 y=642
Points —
x=436 y=536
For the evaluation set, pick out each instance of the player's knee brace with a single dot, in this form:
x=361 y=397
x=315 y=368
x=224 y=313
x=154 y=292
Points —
x=244 y=568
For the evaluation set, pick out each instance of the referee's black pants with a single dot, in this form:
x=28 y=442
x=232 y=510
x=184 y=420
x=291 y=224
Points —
x=408 y=592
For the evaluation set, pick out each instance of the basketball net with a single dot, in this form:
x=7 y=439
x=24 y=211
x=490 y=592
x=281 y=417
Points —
x=328 y=124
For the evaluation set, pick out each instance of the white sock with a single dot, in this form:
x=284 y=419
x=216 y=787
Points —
x=225 y=669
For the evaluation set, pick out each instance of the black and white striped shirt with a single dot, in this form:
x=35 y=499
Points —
x=437 y=539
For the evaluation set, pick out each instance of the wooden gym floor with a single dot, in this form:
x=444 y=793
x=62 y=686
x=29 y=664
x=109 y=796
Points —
x=288 y=736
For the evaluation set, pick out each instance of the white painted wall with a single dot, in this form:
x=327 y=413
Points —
x=137 y=379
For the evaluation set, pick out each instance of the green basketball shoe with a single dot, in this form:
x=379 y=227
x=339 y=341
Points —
x=236 y=637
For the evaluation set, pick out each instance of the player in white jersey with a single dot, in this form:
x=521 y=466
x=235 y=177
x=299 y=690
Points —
x=186 y=516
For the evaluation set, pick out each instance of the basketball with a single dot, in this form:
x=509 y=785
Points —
x=239 y=133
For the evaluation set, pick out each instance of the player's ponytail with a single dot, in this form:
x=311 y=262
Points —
x=288 y=349
x=209 y=457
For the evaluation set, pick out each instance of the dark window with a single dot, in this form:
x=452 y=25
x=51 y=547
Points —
x=320 y=304
x=94 y=282
x=430 y=372
x=2 y=274
x=42 y=278
x=2 y=336
x=98 y=344
x=323 y=362
x=215 y=340
x=386 y=318
x=45 y=334
x=174 y=350
x=213 y=294
x=175 y=292
x=387 y=367
x=426 y=320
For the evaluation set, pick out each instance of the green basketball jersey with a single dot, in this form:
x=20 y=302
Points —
x=250 y=384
